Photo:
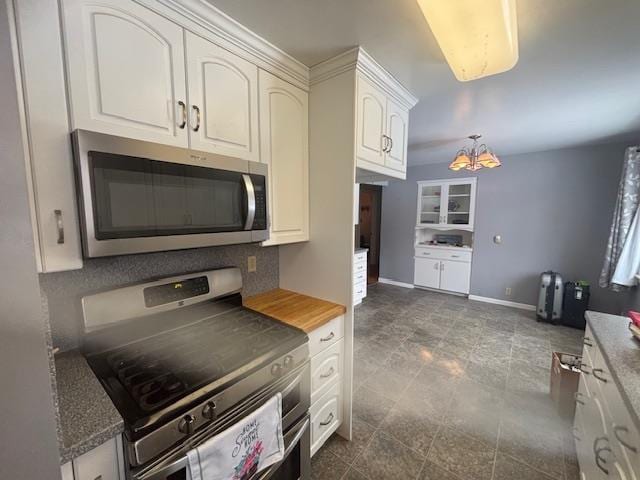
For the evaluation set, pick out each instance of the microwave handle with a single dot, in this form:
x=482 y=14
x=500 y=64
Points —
x=251 y=201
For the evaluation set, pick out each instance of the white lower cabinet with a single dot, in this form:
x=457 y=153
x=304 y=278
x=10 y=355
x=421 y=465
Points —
x=327 y=364
x=359 y=276
x=607 y=439
x=104 y=462
x=326 y=416
x=443 y=269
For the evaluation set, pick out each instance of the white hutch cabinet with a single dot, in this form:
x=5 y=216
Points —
x=444 y=207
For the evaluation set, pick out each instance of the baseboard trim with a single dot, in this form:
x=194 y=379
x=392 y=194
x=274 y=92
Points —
x=506 y=303
x=388 y=281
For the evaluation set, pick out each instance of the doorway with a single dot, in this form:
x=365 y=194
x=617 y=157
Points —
x=369 y=231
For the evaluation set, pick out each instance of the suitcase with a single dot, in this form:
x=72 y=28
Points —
x=575 y=303
x=550 y=297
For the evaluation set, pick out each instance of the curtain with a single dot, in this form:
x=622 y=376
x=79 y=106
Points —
x=623 y=219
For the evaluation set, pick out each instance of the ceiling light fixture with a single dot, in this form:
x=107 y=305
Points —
x=478 y=39
x=479 y=156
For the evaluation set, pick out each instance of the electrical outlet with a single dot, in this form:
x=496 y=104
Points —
x=251 y=263
x=507 y=291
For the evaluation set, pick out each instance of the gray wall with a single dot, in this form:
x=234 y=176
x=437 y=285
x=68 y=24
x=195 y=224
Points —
x=28 y=443
x=553 y=210
x=63 y=290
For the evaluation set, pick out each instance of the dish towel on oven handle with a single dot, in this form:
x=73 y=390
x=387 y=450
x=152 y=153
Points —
x=249 y=446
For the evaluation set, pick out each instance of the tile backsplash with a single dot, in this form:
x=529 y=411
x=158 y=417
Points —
x=62 y=291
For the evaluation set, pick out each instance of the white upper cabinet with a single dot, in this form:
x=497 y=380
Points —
x=397 y=132
x=371 y=123
x=223 y=93
x=382 y=128
x=126 y=71
x=284 y=146
x=447 y=204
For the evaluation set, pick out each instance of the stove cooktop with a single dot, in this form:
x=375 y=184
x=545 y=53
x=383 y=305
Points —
x=146 y=377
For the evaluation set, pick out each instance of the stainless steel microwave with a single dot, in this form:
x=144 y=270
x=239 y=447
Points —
x=137 y=196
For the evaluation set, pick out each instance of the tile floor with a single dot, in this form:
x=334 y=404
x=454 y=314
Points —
x=450 y=389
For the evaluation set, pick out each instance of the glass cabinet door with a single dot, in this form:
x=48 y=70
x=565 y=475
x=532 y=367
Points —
x=430 y=204
x=458 y=207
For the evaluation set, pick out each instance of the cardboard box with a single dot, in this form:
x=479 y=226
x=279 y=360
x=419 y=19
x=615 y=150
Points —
x=565 y=375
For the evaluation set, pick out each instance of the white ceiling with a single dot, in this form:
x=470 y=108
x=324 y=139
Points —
x=577 y=81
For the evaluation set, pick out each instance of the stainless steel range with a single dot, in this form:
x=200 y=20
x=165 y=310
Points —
x=182 y=360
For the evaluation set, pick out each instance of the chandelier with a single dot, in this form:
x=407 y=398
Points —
x=478 y=157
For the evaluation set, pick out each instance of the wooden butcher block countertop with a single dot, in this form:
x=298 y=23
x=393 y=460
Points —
x=295 y=309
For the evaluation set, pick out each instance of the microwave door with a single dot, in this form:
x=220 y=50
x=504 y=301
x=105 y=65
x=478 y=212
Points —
x=251 y=202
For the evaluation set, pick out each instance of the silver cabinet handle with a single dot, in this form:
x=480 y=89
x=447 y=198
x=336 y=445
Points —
x=587 y=342
x=583 y=367
x=597 y=372
x=616 y=430
x=197 y=110
x=436 y=266
x=330 y=336
x=577 y=396
x=327 y=421
x=390 y=144
x=597 y=451
x=183 y=107
x=426 y=253
x=455 y=256
x=59 y=225
x=385 y=143
x=442 y=266
x=330 y=372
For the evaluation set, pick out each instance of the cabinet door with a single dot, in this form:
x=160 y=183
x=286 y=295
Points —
x=431 y=198
x=455 y=276
x=459 y=204
x=126 y=71
x=397 y=131
x=284 y=132
x=223 y=92
x=427 y=273
x=101 y=462
x=370 y=109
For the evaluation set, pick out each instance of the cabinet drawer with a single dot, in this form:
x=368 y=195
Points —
x=360 y=267
x=359 y=277
x=326 y=335
x=101 y=462
x=326 y=367
x=425 y=252
x=326 y=416
x=360 y=257
x=359 y=290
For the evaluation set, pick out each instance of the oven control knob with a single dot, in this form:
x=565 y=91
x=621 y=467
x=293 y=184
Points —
x=186 y=424
x=209 y=410
x=276 y=370
x=287 y=363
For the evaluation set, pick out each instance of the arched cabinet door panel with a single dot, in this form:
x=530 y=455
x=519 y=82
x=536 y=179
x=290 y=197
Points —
x=284 y=146
x=397 y=130
x=126 y=71
x=370 y=127
x=223 y=96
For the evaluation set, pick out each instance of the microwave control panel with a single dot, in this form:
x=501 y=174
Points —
x=260 y=189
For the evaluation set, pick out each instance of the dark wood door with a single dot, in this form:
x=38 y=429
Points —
x=370 y=214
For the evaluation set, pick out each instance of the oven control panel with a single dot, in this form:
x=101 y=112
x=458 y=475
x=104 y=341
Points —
x=175 y=291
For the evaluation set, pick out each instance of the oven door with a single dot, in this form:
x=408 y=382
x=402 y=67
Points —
x=142 y=197
x=296 y=397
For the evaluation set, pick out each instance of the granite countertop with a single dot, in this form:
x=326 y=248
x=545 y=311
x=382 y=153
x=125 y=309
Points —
x=295 y=309
x=621 y=352
x=87 y=417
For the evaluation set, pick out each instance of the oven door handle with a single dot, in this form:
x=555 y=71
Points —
x=251 y=201
x=265 y=475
